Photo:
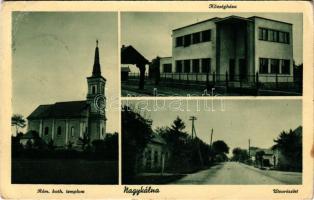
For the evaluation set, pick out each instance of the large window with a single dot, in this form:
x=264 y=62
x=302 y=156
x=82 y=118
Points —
x=167 y=68
x=274 y=66
x=179 y=66
x=285 y=66
x=193 y=38
x=196 y=66
x=187 y=40
x=206 y=68
x=206 y=36
x=196 y=37
x=273 y=35
x=263 y=65
x=262 y=34
x=179 y=41
x=187 y=66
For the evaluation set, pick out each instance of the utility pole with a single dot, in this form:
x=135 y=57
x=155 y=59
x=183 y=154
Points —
x=211 y=138
x=193 y=118
x=249 y=149
x=210 y=147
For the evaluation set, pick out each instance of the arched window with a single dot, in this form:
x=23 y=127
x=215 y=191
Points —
x=46 y=130
x=72 y=131
x=59 y=130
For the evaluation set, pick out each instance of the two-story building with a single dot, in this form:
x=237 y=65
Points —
x=235 y=45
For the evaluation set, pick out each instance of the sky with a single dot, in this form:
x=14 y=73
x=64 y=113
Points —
x=233 y=121
x=150 y=33
x=53 y=53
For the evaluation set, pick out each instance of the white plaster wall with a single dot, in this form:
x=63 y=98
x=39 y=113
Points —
x=195 y=51
x=266 y=49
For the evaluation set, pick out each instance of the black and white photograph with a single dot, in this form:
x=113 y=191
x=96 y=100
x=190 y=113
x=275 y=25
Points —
x=65 y=81
x=202 y=54
x=212 y=142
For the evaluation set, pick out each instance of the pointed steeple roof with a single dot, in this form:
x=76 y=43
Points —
x=96 y=67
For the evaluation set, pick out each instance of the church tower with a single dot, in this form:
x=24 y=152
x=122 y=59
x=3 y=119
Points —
x=97 y=101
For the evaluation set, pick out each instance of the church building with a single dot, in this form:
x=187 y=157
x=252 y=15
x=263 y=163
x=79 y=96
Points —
x=65 y=122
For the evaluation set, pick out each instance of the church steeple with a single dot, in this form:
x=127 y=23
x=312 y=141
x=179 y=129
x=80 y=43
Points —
x=96 y=67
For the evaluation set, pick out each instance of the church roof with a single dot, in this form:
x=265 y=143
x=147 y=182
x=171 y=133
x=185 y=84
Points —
x=70 y=109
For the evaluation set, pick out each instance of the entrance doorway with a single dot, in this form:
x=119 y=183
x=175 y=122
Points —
x=231 y=69
x=243 y=69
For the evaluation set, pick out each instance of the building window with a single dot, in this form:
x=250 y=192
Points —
x=94 y=89
x=196 y=37
x=72 y=131
x=273 y=35
x=187 y=66
x=196 y=66
x=59 y=130
x=263 y=65
x=46 y=131
x=270 y=35
x=148 y=159
x=285 y=66
x=167 y=68
x=274 y=66
x=179 y=41
x=179 y=66
x=187 y=40
x=281 y=37
x=286 y=38
x=206 y=36
x=156 y=158
x=206 y=68
x=102 y=131
x=262 y=34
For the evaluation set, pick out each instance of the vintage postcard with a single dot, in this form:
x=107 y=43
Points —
x=156 y=100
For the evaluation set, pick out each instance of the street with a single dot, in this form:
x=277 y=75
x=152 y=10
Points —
x=240 y=174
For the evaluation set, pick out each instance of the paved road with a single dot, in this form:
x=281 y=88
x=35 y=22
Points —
x=237 y=173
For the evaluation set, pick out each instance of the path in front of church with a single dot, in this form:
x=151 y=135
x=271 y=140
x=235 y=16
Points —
x=234 y=173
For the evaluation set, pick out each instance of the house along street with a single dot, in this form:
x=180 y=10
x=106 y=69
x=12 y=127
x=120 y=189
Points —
x=236 y=173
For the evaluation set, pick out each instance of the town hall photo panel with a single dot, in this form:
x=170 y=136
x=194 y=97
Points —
x=206 y=53
x=65 y=76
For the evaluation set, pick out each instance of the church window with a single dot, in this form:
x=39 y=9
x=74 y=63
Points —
x=72 y=131
x=94 y=89
x=46 y=130
x=59 y=130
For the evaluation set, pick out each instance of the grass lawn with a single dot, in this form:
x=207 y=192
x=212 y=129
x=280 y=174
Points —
x=64 y=171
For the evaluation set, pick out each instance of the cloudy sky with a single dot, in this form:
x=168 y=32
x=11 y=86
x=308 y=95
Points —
x=233 y=121
x=53 y=53
x=150 y=33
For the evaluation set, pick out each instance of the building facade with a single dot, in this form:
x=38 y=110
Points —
x=65 y=123
x=238 y=46
x=155 y=155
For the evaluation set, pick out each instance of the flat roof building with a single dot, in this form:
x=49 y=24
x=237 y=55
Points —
x=235 y=45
